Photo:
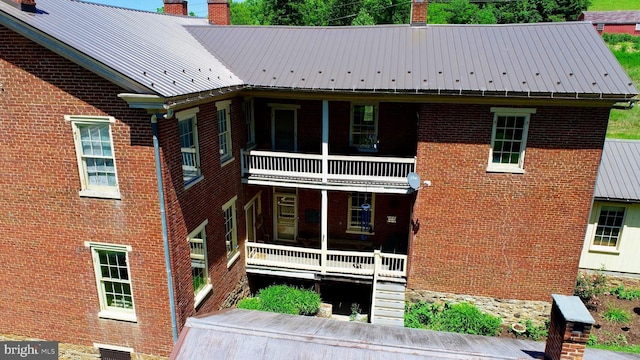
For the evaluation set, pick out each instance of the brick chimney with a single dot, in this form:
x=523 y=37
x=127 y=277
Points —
x=27 y=5
x=175 y=7
x=569 y=329
x=419 y=12
x=219 y=12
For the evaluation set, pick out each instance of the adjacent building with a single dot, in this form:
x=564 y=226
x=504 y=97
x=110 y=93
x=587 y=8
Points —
x=613 y=22
x=152 y=161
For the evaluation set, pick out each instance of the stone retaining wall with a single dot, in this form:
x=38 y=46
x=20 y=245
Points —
x=511 y=311
x=240 y=292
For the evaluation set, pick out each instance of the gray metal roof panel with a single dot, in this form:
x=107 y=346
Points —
x=560 y=58
x=152 y=49
x=619 y=172
x=612 y=17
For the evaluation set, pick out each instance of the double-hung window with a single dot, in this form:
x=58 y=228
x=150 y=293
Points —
x=509 y=139
x=363 y=134
x=249 y=120
x=96 y=158
x=230 y=230
x=111 y=266
x=609 y=228
x=188 y=124
x=361 y=213
x=199 y=263
x=224 y=130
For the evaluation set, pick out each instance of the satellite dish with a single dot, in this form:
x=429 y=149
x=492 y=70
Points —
x=414 y=180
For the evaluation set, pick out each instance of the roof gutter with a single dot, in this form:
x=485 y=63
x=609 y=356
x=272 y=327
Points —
x=71 y=54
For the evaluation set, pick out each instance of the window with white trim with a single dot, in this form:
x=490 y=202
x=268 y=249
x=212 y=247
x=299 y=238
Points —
x=609 y=227
x=96 y=158
x=509 y=139
x=638 y=27
x=361 y=217
x=188 y=123
x=199 y=262
x=224 y=129
x=113 y=278
x=363 y=133
x=249 y=120
x=600 y=26
x=230 y=227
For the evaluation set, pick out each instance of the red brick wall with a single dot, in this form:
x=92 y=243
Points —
x=513 y=236
x=219 y=12
x=47 y=284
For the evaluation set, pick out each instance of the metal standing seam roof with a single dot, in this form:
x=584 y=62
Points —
x=619 y=172
x=138 y=44
x=612 y=17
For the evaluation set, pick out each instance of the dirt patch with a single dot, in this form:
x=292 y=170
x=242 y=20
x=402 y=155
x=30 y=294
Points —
x=605 y=330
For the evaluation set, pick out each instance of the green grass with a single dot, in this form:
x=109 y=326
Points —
x=634 y=349
x=616 y=315
x=609 y=5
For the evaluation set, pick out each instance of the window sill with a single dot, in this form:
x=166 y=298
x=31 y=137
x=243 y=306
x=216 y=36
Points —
x=351 y=231
x=367 y=150
x=103 y=194
x=504 y=169
x=227 y=161
x=189 y=183
x=201 y=295
x=233 y=259
x=116 y=315
x=604 y=250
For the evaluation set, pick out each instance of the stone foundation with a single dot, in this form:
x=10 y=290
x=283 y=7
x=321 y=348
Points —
x=240 y=292
x=77 y=352
x=511 y=311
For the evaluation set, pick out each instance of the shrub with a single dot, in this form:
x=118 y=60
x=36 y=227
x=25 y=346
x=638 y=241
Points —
x=467 y=319
x=617 y=315
x=589 y=287
x=625 y=294
x=461 y=318
x=533 y=332
x=285 y=300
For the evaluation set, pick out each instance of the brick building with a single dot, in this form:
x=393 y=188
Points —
x=174 y=157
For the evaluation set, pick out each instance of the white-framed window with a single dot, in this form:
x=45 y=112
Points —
x=600 y=26
x=509 y=139
x=95 y=155
x=230 y=230
x=113 y=278
x=188 y=124
x=224 y=130
x=360 y=218
x=363 y=133
x=638 y=27
x=199 y=262
x=608 y=229
x=250 y=123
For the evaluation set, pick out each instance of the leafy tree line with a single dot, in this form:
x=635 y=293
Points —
x=371 y=12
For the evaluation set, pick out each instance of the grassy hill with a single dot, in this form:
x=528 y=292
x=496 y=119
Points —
x=609 y=5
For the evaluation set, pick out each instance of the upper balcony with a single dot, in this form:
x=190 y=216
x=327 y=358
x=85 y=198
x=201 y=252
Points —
x=345 y=172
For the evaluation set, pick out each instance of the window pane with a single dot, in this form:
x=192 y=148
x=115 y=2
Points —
x=609 y=226
x=507 y=145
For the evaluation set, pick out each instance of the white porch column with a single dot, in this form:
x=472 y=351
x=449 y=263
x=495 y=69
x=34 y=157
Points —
x=325 y=169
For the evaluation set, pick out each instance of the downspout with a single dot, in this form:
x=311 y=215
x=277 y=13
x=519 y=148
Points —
x=163 y=220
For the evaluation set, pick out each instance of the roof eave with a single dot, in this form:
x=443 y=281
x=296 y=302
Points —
x=72 y=54
x=617 y=200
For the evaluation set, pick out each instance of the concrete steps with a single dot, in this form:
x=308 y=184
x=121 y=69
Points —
x=388 y=304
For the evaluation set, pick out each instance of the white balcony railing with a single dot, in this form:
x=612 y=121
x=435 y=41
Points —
x=340 y=168
x=338 y=262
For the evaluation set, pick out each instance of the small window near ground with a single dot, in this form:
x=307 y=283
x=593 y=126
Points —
x=108 y=354
x=609 y=227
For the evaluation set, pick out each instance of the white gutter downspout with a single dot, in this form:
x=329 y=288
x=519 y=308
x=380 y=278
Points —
x=163 y=220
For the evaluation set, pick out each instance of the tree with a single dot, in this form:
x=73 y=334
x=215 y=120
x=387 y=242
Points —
x=461 y=12
x=248 y=12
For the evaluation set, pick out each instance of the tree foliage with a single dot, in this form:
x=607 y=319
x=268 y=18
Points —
x=372 y=12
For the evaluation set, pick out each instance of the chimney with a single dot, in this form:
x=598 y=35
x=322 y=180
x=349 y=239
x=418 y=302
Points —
x=27 y=5
x=569 y=329
x=175 y=7
x=219 y=12
x=419 y=12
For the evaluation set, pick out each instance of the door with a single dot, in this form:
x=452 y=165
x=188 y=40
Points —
x=285 y=210
x=253 y=216
x=284 y=130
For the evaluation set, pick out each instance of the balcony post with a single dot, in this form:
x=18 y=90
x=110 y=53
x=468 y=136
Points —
x=323 y=232
x=325 y=140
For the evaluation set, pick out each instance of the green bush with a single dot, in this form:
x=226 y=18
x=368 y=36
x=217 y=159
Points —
x=461 y=318
x=617 y=315
x=285 y=300
x=625 y=294
x=589 y=287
